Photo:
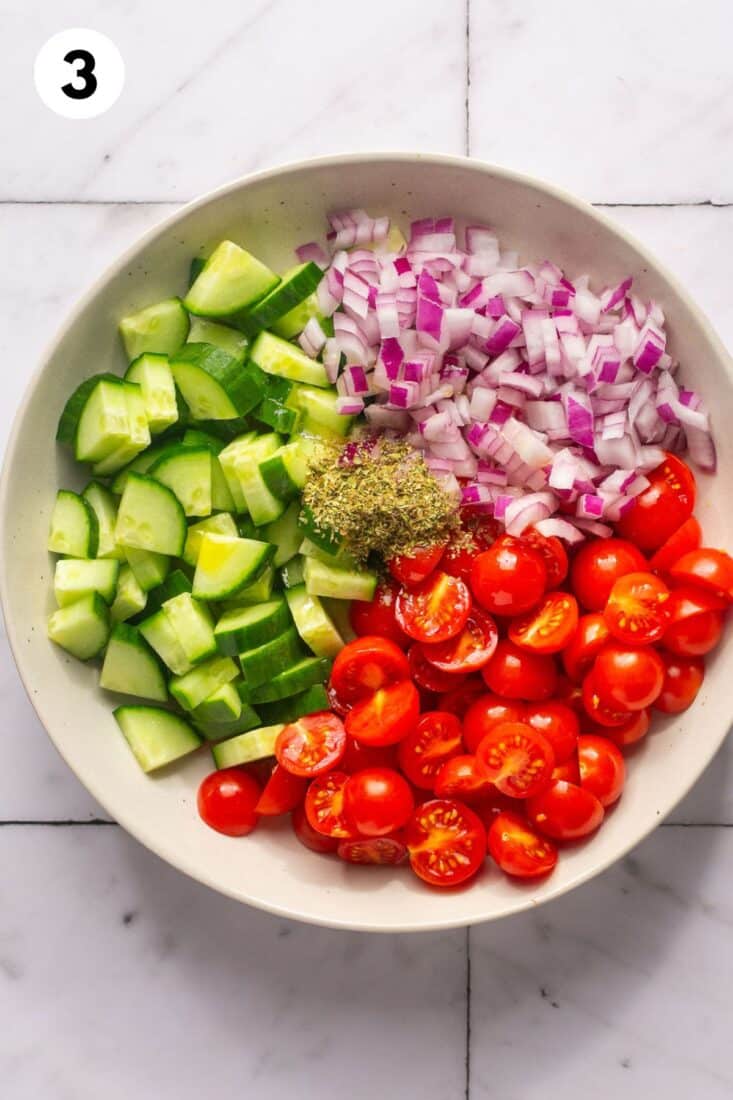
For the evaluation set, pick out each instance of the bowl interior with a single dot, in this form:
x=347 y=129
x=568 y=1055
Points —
x=270 y=214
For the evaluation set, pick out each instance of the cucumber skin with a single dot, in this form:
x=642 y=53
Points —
x=72 y=410
x=220 y=731
x=174 y=584
x=240 y=639
x=239 y=382
x=271 y=659
x=128 y=636
x=327 y=540
x=310 y=701
x=312 y=670
x=286 y=295
x=92 y=541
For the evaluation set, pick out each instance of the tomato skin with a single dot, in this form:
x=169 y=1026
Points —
x=662 y=508
x=461 y=698
x=709 y=569
x=628 y=677
x=558 y=723
x=308 y=836
x=468 y=651
x=475 y=537
x=373 y=851
x=602 y=768
x=412 y=569
x=435 y=739
x=636 y=611
x=696 y=636
x=565 y=811
x=426 y=675
x=516 y=759
x=325 y=806
x=685 y=538
x=683 y=679
x=358 y=756
x=571 y=694
x=549 y=627
x=386 y=717
x=553 y=554
x=508 y=579
x=366 y=665
x=597 y=709
x=378 y=801
x=435 y=610
x=446 y=841
x=282 y=793
x=311 y=745
x=517 y=849
x=569 y=770
x=634 y=729
x=598 y=565
x=586 y=643
x=226 y=801
x=377 y=616
x=460 y=777
x=518 y=674
x=487 y=712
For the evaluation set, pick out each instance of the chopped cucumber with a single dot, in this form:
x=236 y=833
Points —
x=74 y=528
x=270 y=659
x=138 y=434
x=255 y=745
x=104 y=506
x=278 y=416
x=131 y=667
x=103 y=425
x=150 y=517
x=130 y=598
x=258 y=592
x=155 y=378
x=294 y=680
x=293 y=573
x=230 y=280
x=245 y=628
x=77 y=577
x=160 y=329
x=295 y=286
x=293 y=323
x=284 y=533
x=221 y=524
x=262 y=505
x=139 y=465
x=215 y=385
x=192 y=625
x=285 y=471
x=229 y=458
x=323 y=537
x=339 y=611
x=309 y=701
x=319 y=407
x=343 y=584
x=342 y=558
x=193 y=687
x=155 y=736
x=148 y=568
x=82 y=628
x=174 y=584
x=68 y=424
x=217 y=731
x=276 y=356
x=227 y=565
x=158 y=632
x=221 y=336
x=221 y=497
x=222 y=706
x=187 y=472
x=313 y=623
x=197 y=265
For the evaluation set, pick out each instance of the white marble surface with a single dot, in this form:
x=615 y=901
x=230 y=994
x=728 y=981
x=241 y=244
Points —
x=119 y=976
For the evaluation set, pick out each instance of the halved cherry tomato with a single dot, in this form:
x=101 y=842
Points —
x=553 y=554
x=549 y=627
x=282 y=793
x=435 y=610
x=628 y=677
x=570 y=693
x=636 y=611
x=226 y=801
x=569 y=770
x=695 y=621
x=518 y=849
x=311 y=745
x=473 y=538
x=426 y=675
x=598 y=565
x=373 y=850
x=510 y=578
x=469 y=650
x=358 y=756
x=460 y=777
x=308 y=836
x=516 y=758
x=412 y=569
x=685 y=538
x=662 y=508
x=484 y=714
x=707 y=568
x=597 y=709
x=446 y=841
x=634 y=728
x=518 y=674
x=590 y=636
x=602 y=768
x=565 y=811
x=459 y=699
x=387 y=716
x=378 y=801
x=377 y=617
x=325 y=805
x=683 y=679
x=435 y=738
x=556 y=722
x=365 y=665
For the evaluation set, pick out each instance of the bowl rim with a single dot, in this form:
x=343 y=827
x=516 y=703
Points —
x=127 y=820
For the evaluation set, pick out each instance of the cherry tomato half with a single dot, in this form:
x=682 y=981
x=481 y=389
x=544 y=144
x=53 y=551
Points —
x=484 y=714
x=518 y=849
x=602 y=768
x=459 y=699
x=569 y=770
x=358 y=756
x=709 y=569
x=387 y=716
x=510 y=578
x=377 y=616
x=366 y=665
x=598 y=565
x=460 y=777
x=446 y=842
x=308 y=836
x=516 y=758
x=412 y=569
x=695 y=621
x=558 y=723
x=597 y=709
x=553 y=554
x=426 y=675
x=518 y=674
x=685 y=538
x=311 y=745
x=468 y=651
x=435 y=738
x=634 y=729
x=325 y=805
x=282 y=793
x=628 y=677
x=662 y=508
x=373 y=850
x=683 y=679
x=636 y=611
x=565 y=811
x=549 y=627
x=473 y=538
x=226 y=801
x=590 y=636
x=435 y=610
x=378 y=801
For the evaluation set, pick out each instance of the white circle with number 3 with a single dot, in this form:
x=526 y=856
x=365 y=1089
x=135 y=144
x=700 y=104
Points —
x=79 y=73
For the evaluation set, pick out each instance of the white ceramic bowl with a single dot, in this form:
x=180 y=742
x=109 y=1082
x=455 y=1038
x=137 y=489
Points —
x=270 y=213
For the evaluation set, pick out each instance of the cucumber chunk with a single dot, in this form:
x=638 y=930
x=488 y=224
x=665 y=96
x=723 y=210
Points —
x=160 y=328
x=155 y=378
x=138 y=434
x=82 y=628
x=221 y=497
x=197 y=265
x=158 y=632
x=215 y=385
x=278 y=416
x=248 y=627
x=293 y=323
x=309 y=701
x=227 y=565
x=74 y=527
x=284 y=534
x=261 y=664
x=130 y=598
x=148 y=568
x=293 y=573
x=221 y=524
x=262 y=505
x=193 y=687
x=255 y=745
x=155 y=736
x=131 y=667
x=230 y=280
x=216 y=731
x=258 y=592
x=221 y=336
x=285 y=471
x=313 y=623
x=139 y=465
x=343 y=584
x=221 y=707
x=77 y=577
x=276 y=356
x=68 y=424
x=175 y=583
x=323 y=537
x=104 y=506
x=103 y=425
x=319 y=408
x=294 y=680
x=294 y=287
x=150 y=517
x=193 y=626
x=342 y=559
x=187 y=471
